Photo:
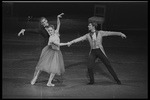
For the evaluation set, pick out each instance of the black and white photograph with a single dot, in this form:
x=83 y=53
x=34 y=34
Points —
x=75 y=49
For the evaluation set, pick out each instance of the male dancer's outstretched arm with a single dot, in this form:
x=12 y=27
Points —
x=36 y=31
x=110 y=33
x=103 y=33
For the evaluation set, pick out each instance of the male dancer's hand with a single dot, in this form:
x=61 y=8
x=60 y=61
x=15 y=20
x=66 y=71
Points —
x=123 y=35
x=21 y=32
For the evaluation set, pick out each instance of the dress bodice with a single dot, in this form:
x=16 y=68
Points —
x=54 y=38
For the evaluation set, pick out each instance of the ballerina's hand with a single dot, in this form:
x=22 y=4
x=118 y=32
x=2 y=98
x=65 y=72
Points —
x=60 y=15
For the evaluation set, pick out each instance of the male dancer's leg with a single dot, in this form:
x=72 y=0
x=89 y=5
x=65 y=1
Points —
x=106 y=62
x=92 y=59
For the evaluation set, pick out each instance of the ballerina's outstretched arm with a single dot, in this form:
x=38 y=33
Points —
x=58 y=23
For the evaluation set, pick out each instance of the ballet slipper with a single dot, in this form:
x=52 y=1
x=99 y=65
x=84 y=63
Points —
x=50 y=84
x=32 y=82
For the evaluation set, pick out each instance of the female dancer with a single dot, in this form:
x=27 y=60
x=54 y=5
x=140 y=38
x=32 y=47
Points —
x=51 y=59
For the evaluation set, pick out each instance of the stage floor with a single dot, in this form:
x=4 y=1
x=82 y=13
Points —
x=128 y=57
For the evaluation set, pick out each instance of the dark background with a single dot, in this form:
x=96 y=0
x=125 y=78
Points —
x=118 y=14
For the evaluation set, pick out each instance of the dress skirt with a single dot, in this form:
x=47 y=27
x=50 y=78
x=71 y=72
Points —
x=51 y=61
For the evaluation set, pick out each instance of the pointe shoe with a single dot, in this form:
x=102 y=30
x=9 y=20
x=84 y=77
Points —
x=118 y=82
x=32 y=82
x=50 y=84
x=90 y=83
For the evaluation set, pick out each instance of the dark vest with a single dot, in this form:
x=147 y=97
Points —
x=91 y=33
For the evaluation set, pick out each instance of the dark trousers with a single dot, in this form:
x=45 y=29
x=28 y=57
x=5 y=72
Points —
x=97 y=53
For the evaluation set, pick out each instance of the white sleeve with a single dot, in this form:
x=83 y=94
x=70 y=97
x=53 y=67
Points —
x=82 y=38
x=110 y=33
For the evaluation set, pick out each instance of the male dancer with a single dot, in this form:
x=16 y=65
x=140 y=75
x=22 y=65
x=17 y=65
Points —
x=95 y=39
x=41 y=30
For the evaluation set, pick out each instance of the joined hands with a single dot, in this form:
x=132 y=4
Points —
x=69 y=43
